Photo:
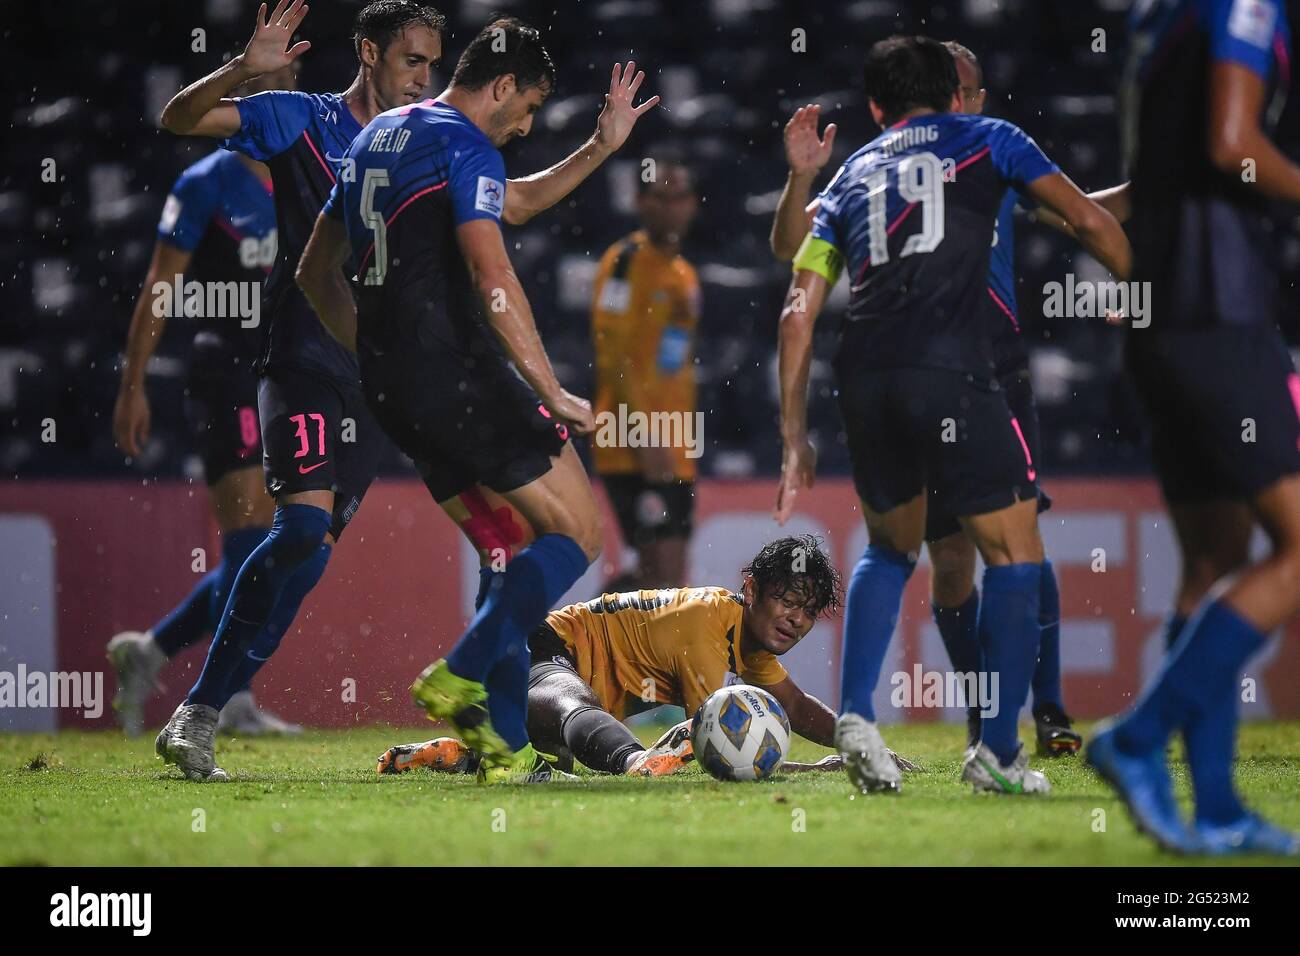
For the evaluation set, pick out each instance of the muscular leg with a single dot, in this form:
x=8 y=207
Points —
x=564 y=715
x=299 y=536
x=561 y=509
x=874 y=596
x=955 y=602
x=495 y=527
x=1009 y=614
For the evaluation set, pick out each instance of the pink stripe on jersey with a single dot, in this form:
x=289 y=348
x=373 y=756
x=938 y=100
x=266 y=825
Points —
x=1003 y=306
x=1293 y=383
x=971 y=159
x=320 y=159
x=1030 y=473
x=393 y=217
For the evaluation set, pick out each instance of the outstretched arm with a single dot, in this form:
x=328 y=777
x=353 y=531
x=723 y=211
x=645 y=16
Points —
x=803 y=304
x=805 y=154
x=813 y=720
x=203 y=109
x=1114 y=200
x=530 y=195
x=1096 y=229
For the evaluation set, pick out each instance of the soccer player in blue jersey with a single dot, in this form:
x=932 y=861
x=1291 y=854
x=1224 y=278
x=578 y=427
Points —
x=910 y=216
x=1207 y=79
x=217 y=226
x=451 y=362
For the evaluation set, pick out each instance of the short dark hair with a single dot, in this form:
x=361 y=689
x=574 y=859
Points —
x=797 y=564
x=383 y=21
x=524 y=57
x=958 y=50
x=904 y=73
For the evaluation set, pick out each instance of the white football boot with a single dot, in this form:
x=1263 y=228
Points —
x=241 y=717
x=136 y=659
x=188 y=741
x=982 y=769
x=866 y=758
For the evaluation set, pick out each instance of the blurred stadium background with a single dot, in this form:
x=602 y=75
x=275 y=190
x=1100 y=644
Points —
x=91 y=543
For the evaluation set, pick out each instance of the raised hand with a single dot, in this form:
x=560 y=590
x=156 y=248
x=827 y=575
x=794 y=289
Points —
x=619 y=114
x=804 y=151
x=269 y=48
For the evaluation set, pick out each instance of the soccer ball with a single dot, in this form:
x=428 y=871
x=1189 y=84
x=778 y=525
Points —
x=740 y=733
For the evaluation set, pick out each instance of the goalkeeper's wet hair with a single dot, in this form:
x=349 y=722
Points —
x=904 y=73
x=798 y=564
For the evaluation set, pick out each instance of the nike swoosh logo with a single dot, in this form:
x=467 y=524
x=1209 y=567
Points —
x=240 y=221
x=304 y=471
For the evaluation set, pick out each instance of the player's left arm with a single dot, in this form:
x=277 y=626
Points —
x=1097 y=230
x=320 y=276
x=1114 y=200
x=816 y=266
x=530 y=195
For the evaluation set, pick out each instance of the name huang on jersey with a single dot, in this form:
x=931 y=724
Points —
x=906 y=138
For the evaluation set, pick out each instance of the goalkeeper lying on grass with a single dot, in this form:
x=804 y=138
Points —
x=595 y=663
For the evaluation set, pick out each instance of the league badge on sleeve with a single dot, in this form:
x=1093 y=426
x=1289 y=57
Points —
x=491 y=196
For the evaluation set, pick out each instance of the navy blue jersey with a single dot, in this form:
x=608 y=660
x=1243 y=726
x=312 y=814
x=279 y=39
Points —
x=221 y=213
x=421 y=171
x=1009 y=352
x=1199 y=234
x=302 y=137
x=913 y=214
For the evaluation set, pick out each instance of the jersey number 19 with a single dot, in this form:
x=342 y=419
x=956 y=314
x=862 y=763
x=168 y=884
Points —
x=920 y=180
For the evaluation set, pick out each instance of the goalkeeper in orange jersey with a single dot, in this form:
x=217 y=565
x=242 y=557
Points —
x=595 y=663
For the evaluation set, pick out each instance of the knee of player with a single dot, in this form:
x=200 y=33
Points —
x=298 y=530
x=953 y=563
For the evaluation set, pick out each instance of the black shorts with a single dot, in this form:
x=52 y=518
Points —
x=547 y=650
x=462 y=424
x=1224 y=406
x=911 y=429
x=318 y=435
x=651 y=511
x=221 y=409
x=1016 y=386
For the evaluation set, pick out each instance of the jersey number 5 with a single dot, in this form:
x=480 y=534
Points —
x=920 y=180
x=374 y=220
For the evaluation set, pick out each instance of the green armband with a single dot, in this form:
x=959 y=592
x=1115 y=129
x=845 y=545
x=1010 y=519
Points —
x=819 y=256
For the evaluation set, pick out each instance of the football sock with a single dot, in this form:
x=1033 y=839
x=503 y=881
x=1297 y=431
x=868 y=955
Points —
x=199 y=614
x=282 y=617
x=1210 y=741
x=959 y=629
x=1046 y=681
x=1009 y=634
x=486 y=578
x=532 y=582
x=1198 y=678
x=870 y=614
x=599 y=740
x=296 y=534
x=189 y=621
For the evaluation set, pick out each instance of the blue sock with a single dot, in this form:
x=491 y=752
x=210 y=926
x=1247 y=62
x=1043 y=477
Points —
x=535 y=579
x=1210 y=738
x=487 y=578
x=1009 y=634
x=1198 y=679
x=959 y=629
x=200 y=613
x=298 y=531
x=293 y=593
x=1047 y=674
x=190 y=621
x=236 y=546
x=870 y=615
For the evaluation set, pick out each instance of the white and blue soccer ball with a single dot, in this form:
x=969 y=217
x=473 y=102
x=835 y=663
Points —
x=741 y=733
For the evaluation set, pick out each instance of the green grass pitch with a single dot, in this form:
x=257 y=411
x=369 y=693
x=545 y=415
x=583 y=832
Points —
x=96 y=799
